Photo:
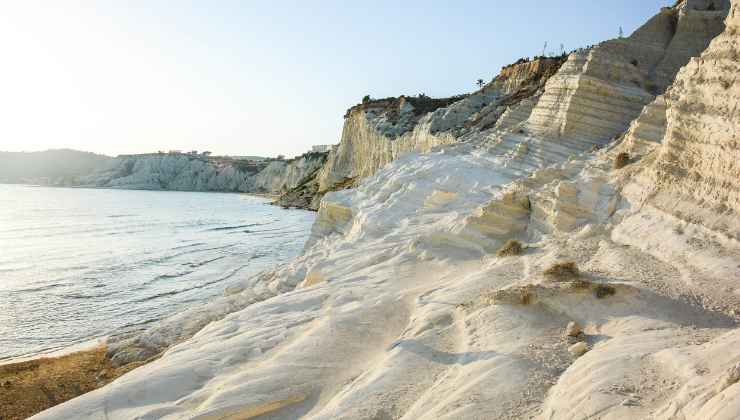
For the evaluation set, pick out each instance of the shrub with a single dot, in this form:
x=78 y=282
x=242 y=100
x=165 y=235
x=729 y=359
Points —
x=512 y=296
x=562 y=271
x=510 y=248
x=603 y=291
x=622 y=160
x=580 y=284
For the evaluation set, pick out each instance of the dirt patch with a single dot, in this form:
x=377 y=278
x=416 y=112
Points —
x=510 y=248
x=562 y=271
x=29 y=387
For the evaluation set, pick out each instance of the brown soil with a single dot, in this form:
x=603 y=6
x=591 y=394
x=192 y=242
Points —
x=29 y=387
x=622 y=160
x=562 y=271
x=510 y=248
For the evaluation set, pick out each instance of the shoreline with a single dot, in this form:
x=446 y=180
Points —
x=91 y=187
x=56 y=352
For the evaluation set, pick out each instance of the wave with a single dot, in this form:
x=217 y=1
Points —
x=202 y=263
x=40 y=288
x=217 y=229
x=280 y=229
x=72 y=263
x=79 y=296
x=165 y=258
x=173 y=276
x=187 y=246
x=125 y=232
x=188 y=289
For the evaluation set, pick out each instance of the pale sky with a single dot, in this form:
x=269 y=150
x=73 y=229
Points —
x=257 y=77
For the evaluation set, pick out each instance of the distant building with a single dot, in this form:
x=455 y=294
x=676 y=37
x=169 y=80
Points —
x=206 y=153
x=321 y=148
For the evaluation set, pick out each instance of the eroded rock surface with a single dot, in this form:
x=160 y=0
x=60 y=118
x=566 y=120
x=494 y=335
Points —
x=185 y=172
x=399 y=307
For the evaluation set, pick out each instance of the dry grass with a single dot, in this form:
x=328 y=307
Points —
x=622 y=160
x=562 y=271
x=29 y=387
x=510 y=248
x=511 y=296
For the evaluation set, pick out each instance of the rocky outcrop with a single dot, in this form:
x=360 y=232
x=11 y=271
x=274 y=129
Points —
x=582 y=103
x=185 y=172
x=699 y=163
x=159 y=171
x=364 y=148
x=599 y=91
x=283 y=175
x=376 y=133
x=648 y=130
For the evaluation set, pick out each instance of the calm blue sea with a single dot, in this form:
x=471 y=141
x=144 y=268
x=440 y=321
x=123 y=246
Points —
x=76 y=264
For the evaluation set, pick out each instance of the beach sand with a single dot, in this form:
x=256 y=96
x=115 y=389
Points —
x=31 y=386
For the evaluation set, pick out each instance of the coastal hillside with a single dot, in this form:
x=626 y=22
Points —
x=194 y=172
x=173 y=171
x=561 y=246
x=50 y=167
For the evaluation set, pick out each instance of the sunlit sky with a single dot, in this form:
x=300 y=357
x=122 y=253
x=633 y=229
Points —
x=257 y=78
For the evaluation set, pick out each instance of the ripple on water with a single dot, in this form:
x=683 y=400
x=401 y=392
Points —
x=87 y=262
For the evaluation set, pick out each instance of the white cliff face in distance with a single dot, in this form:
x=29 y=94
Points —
x=400 y=307
x=185 y=172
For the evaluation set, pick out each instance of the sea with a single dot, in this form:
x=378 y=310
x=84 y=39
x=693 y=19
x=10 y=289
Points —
x=79 y=264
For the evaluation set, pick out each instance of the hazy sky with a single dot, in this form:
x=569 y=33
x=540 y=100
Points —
x=257 y=78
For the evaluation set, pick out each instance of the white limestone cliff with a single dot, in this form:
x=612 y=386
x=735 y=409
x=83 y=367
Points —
x=399 y=307
x=184 y=172
x=590 y=99
x=378 y=132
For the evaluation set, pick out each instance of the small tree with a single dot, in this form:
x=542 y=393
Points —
x=480 y=83
x=366 y=99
